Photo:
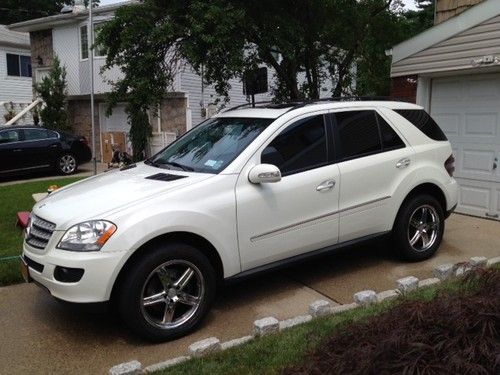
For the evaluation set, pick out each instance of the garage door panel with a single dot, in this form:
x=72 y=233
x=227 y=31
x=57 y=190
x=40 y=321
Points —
x=447 y=90
x=449 y=123
x=481 y=124
x=474 y=197
x=483 y=88
x=477 y=162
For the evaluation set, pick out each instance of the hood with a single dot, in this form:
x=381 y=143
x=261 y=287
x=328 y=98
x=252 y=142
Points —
x=96 y=196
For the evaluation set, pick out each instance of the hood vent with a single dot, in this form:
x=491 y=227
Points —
x=165 y=177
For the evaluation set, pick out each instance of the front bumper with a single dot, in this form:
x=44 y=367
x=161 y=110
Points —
x=95 y=285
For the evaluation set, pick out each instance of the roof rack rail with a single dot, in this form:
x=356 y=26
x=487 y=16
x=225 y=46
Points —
x=303 y=102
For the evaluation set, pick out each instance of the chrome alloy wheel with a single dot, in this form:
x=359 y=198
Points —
x=423 y=229
x=172 y=294
x=67 y=164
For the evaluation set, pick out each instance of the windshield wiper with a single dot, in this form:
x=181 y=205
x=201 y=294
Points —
x=165 y=163
x=181 y=166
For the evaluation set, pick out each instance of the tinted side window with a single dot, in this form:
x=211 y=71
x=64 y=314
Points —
x=299 y=147
x=390 y=139
x=423 y=121
x=357 y=133
x=35 y=134
x=9 y=136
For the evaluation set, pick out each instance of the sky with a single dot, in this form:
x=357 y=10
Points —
x=409 y=4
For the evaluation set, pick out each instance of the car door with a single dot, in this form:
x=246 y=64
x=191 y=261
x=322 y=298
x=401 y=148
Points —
x=373 y=160
x=40 y=147
x=299 y=213
x=9 y=150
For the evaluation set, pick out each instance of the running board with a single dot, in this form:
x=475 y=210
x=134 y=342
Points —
x=284 y=263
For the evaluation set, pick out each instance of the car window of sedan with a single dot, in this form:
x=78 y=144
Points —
x=37 y=134
x=7 y=136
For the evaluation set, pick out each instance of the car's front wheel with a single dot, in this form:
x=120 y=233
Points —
x=167 y=292
x=66 y=164
x=419 y=227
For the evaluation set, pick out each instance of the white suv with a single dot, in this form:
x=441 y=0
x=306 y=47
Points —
x=248 y=190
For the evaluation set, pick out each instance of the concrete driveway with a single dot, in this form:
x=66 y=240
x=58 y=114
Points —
x=39 y=335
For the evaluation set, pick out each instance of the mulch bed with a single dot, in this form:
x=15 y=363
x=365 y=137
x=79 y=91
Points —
x=453 y=334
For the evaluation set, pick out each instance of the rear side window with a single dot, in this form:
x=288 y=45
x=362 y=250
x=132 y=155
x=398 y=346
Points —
x=424 y=122
x=37 y=134
x=300 y=147
x=390 y=139
x=358 y=134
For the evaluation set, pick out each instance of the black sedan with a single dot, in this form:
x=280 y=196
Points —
x=32 y=148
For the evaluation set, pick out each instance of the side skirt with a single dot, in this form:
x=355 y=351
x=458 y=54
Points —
x=284 y=263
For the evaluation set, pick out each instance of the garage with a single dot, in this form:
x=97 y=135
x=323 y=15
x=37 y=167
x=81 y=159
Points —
x=468 y=110
x=453 y=71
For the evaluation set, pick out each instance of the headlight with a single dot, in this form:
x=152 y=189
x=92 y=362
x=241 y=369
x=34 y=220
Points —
x=87 y=236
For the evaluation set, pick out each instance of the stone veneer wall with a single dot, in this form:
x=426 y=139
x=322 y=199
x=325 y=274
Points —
x=41 y=46
x=80 y=120
x=173 y=115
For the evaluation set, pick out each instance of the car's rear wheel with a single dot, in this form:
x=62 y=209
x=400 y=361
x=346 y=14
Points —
x=66 y=164
x=419 y=227
x=167 y=292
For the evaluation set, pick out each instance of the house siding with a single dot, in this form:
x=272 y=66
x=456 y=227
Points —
x=446 y=9
x=16 y=89
x=190 y=83
x=455 y=53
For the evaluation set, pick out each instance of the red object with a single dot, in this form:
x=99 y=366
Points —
x=23 y=218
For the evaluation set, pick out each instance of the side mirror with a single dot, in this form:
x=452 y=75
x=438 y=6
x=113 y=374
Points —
x=264 y=173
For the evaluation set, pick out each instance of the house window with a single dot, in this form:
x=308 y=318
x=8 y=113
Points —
x=99 y=50
x=84 y=43
x=18 y=65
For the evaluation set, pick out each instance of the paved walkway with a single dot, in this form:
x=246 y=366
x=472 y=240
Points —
x=84 y=170
x=39 y=335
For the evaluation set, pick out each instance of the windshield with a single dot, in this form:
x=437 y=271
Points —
x=211 y=146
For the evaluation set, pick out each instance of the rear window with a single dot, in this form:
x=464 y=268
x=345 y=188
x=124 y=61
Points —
x=424 y=122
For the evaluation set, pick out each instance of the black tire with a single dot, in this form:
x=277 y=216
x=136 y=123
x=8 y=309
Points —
x=145 y=280
x=66 y=164
x=411 y=225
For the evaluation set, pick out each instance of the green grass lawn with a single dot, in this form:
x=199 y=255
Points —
x=272 y=354
x=14 y=198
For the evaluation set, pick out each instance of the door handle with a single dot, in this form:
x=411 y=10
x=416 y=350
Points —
x=403 y=163
x=326 y=185
x=54 y=146
x=17 y=150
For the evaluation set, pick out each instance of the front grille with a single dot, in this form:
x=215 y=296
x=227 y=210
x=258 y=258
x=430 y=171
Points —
x=40 y=231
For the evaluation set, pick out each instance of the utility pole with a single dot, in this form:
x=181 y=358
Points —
x=90 y=30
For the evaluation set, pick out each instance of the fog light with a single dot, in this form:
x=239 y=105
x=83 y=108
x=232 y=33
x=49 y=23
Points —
x=68 y=275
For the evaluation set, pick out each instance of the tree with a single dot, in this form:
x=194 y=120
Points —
x=12 y=11
x=52 y=90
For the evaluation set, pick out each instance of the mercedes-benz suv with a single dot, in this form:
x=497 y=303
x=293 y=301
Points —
x=245 y=191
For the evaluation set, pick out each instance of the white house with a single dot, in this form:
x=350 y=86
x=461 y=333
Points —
x=15 y=71
x=453 y=70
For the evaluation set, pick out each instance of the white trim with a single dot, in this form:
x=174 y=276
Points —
x=470 y=18
x=424 y=85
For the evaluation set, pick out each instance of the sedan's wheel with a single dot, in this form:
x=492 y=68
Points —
x=419 y=227
x=167 y=292
x=66 y=164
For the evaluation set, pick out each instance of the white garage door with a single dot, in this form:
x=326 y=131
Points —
x=468 y=110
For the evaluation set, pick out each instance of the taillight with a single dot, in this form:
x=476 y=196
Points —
x=84 y=140
x=449 y=165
